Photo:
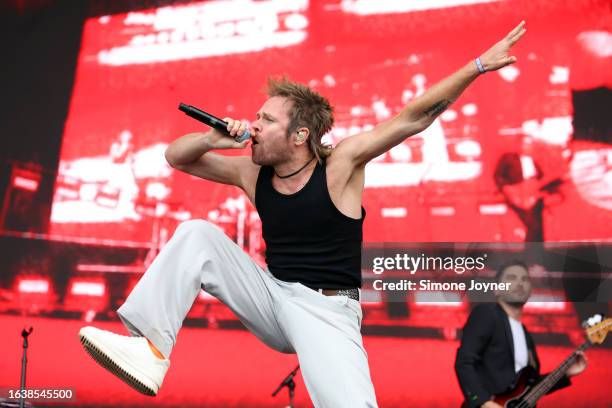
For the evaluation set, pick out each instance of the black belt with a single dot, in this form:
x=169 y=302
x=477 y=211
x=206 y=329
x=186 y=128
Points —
x=350 y=293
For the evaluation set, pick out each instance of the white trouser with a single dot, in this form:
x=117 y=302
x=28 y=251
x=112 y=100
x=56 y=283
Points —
x=324 y=331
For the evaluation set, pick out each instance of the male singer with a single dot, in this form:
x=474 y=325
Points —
x=309 y=200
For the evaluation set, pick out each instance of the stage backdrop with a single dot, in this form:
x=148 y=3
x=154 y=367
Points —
x=370 y=58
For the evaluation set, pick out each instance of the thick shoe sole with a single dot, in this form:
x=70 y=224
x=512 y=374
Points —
x=109 y=363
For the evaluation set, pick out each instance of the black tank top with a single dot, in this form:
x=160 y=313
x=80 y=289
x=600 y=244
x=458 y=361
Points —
x=308 y=240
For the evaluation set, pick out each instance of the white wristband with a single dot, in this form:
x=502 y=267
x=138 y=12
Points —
x=481 y=69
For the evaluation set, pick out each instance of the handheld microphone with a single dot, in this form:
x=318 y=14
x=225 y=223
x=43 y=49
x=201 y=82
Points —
x=211 y=121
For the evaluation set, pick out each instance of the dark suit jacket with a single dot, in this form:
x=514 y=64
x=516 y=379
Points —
x=485 y=358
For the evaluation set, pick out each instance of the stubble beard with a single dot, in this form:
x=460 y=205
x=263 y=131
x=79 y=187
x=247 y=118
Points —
x=272 y=160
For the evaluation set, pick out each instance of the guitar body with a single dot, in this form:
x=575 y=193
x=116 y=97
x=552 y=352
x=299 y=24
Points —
x=523 y=195
x=526 y=194
x=514 y=397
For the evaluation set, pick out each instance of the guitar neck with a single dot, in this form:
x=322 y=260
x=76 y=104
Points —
x=551 y=379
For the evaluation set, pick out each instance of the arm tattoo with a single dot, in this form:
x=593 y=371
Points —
x=437 y=108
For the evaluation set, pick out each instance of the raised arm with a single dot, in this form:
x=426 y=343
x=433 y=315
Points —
x=423 y=110
x=191 y=154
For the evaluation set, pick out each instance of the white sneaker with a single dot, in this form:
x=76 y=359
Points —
x=129 y=358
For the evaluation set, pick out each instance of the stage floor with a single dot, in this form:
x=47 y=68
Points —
x=222 y=368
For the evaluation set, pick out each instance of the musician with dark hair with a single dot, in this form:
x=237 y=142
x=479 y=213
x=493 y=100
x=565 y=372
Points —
x=497 y=352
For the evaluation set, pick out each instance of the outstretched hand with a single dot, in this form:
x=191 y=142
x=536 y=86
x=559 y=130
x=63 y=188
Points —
x=498 y=56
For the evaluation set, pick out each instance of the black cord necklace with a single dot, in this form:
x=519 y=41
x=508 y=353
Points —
x=295 y=172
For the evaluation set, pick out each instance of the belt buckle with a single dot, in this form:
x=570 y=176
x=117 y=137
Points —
x=350 y=293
